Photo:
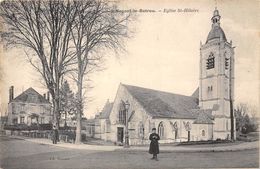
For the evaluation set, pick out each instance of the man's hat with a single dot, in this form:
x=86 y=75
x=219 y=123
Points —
x=153 y=128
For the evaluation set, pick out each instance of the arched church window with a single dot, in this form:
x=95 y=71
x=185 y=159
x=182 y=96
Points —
x=161 y=130
x=226 y=61
x=203 y=132
x=211 y=61
x=141 y=130
x=121 y=114
x=187 y=126
x=175 y=129
x=210 y=88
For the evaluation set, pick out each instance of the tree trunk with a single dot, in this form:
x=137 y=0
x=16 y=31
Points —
x=56 y=112
x=65 y=123
x=56 y=107
x=79 y=109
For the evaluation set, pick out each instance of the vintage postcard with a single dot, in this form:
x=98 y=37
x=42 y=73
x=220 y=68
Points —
x=128 y=84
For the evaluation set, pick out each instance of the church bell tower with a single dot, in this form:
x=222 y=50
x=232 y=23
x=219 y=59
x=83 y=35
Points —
x=216 y=88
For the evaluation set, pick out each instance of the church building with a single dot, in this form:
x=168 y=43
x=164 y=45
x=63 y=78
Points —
x=204 y=115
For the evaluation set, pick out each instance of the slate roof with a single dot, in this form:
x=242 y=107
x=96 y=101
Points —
x=196 y=93
x=164 y=104
x=30 y=96
x=204 y=118
x=106 y=110
x=216 y=32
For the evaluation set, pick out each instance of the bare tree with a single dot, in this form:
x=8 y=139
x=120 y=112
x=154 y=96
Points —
x=97 y=28
x=42 y=29
x=246 y=120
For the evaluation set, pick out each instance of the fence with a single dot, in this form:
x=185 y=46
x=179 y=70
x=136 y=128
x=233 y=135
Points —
x=64 y=135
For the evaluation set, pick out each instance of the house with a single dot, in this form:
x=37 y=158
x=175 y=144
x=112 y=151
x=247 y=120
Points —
x=29 y=108
x=205 y=115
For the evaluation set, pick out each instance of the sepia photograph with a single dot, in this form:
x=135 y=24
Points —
x=129 y=84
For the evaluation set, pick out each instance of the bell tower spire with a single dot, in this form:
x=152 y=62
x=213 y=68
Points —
x=217 y=78
x=215 y=18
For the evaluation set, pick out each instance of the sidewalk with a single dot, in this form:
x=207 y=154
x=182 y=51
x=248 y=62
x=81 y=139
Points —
x=73 y=146
x=209 y=148
x=163 y=149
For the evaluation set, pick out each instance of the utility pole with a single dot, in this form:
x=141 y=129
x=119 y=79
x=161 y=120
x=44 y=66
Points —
x=126 y=125
x=231 y=100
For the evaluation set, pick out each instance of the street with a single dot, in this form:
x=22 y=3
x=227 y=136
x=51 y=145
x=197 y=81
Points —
x=18 y=153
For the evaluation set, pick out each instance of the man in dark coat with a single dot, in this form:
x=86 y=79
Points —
x=154 y=145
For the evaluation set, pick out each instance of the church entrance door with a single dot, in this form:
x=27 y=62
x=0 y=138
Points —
x=120 y=134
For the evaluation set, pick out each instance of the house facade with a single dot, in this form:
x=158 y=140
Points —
x=205 y=115
x=28 y=108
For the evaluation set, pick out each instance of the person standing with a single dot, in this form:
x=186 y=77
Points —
x=154 y=145
x=54 y=141
x=55 y=135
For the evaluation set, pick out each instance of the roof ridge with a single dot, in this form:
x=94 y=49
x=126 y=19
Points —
x=155 y=90
x=26 y=92
x=161 y=104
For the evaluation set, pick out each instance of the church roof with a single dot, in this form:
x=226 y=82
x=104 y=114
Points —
x=196 y=93
x=106 y=110
x=216 y=32
x=30 y=96
x=164 y=104
x=204 y=117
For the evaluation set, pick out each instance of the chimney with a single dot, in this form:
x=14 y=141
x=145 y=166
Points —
x=44 y=95
x=11 y=93
x=48 y=96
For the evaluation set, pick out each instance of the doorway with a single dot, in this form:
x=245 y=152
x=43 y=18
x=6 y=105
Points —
x=120 y=134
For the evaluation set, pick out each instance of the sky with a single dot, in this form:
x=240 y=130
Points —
x=163 y=52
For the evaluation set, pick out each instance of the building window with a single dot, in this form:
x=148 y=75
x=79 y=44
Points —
x=32 y=97
x=203 y=132
x=211 y=61
x=122 y=116
x=22 y=107
x=226 y=63
x=21 y=120
x=210 y=88
x=141 y=130
x=122 y=113
x=15 y=121
x=161 y=130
